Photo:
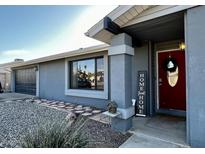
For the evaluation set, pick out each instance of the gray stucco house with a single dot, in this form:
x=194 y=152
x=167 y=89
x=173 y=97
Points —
x=5 y=74
x=152 y=62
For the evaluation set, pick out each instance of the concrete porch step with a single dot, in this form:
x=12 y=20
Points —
x=140 y=140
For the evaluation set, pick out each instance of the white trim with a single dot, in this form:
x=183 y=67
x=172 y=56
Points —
x=66 y=75
x=169 y=50
x=121 y=49
x=156 y=12
x=157 y=73
x=88 y=93
x=120 y=10
x=187 y=81
x=38 y=81
x=153 y=12
x=13 y=81
x=140 y=115
x=81 y=51
x=157 y=80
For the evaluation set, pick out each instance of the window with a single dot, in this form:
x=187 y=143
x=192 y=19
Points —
x=87 y=74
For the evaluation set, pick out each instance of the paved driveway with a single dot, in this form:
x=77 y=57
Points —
x=13 y=96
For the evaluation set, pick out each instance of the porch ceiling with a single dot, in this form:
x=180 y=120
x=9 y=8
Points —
x=164 y=28
x=127 y=17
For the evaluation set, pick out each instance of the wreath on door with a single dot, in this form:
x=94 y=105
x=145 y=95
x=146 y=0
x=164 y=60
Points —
x=171 y=67
x=170 y=64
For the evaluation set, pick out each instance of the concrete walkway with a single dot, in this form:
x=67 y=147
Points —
x=157 y=132
x=13 y=96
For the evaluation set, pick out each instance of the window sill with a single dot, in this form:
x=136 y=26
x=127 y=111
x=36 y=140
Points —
x=87 y=93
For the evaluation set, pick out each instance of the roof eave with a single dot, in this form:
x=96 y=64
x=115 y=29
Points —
x=97 y=31
x=81 y=51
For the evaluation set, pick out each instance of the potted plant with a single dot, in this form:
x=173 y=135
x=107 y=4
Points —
x=112 y=107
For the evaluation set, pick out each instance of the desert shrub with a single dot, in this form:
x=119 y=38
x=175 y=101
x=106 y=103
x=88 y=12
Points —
x=56 y=135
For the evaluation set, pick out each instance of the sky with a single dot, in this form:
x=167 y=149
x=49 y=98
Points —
x=30 y=32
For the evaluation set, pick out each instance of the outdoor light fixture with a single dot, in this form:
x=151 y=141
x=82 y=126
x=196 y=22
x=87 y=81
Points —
x=36 y=68
x=182 y=45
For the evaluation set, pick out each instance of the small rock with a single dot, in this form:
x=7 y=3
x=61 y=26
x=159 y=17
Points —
x=44 y=103
x=88 y=110
x=54 y=105
x=61 y=103
x=79 y=111
x=77 y=108
x=37 y=101
x=1 y=145
x=61 y=106
x=96 y=111
x=69 y=107
x=86 y=107
x=67 y=104
x=57 y=102
x=71 y=116
x=86 y=114
x=80 y=106
x=8 y=101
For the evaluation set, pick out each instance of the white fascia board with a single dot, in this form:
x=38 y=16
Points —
x=158 y=11
x=95 y=29
x=148 y=14
x=10 y=64
x=112 y=15
x=83 y=51
x=119 y=11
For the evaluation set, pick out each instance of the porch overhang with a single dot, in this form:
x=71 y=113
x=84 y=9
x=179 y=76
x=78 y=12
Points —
x=127 y=16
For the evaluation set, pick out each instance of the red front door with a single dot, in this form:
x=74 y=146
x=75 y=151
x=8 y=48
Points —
x=171 y=78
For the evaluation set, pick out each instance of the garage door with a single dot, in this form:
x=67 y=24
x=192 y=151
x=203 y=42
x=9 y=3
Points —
x=25 y=81
x=3 y=80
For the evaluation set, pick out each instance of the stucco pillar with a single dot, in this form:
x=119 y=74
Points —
x=12 y=78
x=120 y=54
x=195 y=72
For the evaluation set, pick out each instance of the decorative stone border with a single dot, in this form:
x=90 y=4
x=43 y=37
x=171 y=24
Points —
x=69 y=107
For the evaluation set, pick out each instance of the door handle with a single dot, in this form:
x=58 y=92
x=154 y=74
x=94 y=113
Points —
x=160 y=81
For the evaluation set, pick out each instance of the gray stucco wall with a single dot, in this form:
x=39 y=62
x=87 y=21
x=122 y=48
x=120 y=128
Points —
x=52 y=85
x=120 y=80
x=12 y=81
x=120 y=55
x=195 y=58
x=139 y=62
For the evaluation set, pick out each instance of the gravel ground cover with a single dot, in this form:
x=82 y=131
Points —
x=102 y=136
x=18 y=117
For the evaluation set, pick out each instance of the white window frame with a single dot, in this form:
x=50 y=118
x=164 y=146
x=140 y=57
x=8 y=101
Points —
x=100 y=94
x=38 y=80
